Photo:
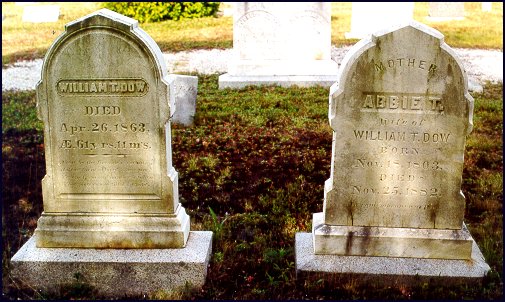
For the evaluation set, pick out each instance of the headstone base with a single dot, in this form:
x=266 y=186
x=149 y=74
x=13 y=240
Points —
x=385 y=270
x=115 y=272
x=390 y=242
x=141 y=231
x=236 y=82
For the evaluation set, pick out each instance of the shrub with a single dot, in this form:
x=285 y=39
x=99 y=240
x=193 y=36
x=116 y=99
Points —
x=159 y=11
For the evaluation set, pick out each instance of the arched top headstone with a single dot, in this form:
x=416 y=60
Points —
x=121 y=33
x=104 y=100
x=400 y=113
x=411 y=56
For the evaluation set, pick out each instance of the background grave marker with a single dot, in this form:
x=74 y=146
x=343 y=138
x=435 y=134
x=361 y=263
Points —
x=281 y=43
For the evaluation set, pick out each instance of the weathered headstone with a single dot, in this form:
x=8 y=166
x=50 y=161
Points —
x=383 y=14
x=446 y=11
x=41 y=13
x=281 y=43
x=393 y=205
x=109 y=183
x=184 y=91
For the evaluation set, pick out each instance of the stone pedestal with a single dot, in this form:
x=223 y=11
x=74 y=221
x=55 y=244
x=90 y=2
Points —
x=390 y=242
x=284 y=44
x=115 y=273
x=385 y=270
x=113 y=230
x=237 y=82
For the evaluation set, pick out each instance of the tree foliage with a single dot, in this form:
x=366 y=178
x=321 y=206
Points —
x=160 y=11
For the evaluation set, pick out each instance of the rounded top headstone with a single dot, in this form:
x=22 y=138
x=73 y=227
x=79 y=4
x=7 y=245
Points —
x=400 y=113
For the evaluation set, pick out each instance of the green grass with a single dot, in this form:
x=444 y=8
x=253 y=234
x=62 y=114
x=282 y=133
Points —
x=202 y=33
x=253 y=167
x=478 y=30
x=210 y=32
x=21 y=40
x=17 y=108
x=252 y=170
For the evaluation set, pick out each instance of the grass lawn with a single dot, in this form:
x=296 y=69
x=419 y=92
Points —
x=252 y=170
x=206 y=33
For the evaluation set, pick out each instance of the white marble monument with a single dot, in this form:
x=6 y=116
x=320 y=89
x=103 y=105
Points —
x=281 y=43
x=393 y=204
x=110 y=193
x=184 y=90
x=446 y=11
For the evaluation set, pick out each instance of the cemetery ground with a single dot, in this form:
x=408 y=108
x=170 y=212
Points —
x=252 y=170
x=209 y=32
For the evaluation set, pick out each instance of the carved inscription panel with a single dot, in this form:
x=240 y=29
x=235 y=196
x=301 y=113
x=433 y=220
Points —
x=103 y=145
x=257 y=36
x=104 y=129
x=105 y=124
x=400 y=124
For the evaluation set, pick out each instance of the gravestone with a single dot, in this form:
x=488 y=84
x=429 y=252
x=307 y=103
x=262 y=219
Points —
x=41 y=13
x=110 y=193
x=383 y=14
x=393 y=205
x=446 y=11
x=281 y=43
x=184 y=91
